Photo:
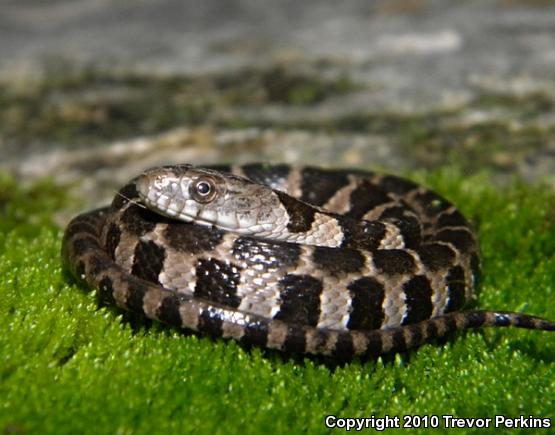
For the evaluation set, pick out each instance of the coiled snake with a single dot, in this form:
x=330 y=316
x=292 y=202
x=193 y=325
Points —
x=303 y=260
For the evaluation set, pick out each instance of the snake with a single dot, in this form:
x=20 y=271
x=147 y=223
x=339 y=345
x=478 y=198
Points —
x=305 y=260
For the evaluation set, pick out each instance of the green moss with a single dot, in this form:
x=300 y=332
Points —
x=28 y=210
x=442 y=136
x=87 y=105
x=282 y=86
x=84 y=105
x=527 y=105
x=77 y=106
x=68 y=366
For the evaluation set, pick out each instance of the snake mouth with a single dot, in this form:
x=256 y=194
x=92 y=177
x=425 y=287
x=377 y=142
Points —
x=189 y=211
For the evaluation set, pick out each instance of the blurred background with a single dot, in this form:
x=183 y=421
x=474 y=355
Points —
x=94 y=91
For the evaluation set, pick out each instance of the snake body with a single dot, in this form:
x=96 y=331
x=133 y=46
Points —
x=304 y=260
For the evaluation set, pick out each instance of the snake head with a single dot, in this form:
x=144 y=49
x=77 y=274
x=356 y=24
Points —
x=207 y=197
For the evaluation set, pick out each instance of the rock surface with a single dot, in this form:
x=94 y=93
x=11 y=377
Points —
x=92 y=91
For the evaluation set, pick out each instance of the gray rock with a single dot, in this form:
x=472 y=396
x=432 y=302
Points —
x=91 y=86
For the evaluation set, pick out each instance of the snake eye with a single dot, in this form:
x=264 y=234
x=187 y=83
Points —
x=203 y=190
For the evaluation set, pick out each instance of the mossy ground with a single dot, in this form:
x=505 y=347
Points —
x=70 y=366
x=83 y=106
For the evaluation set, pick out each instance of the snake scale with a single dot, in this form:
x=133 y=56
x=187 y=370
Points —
x=304 y=260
